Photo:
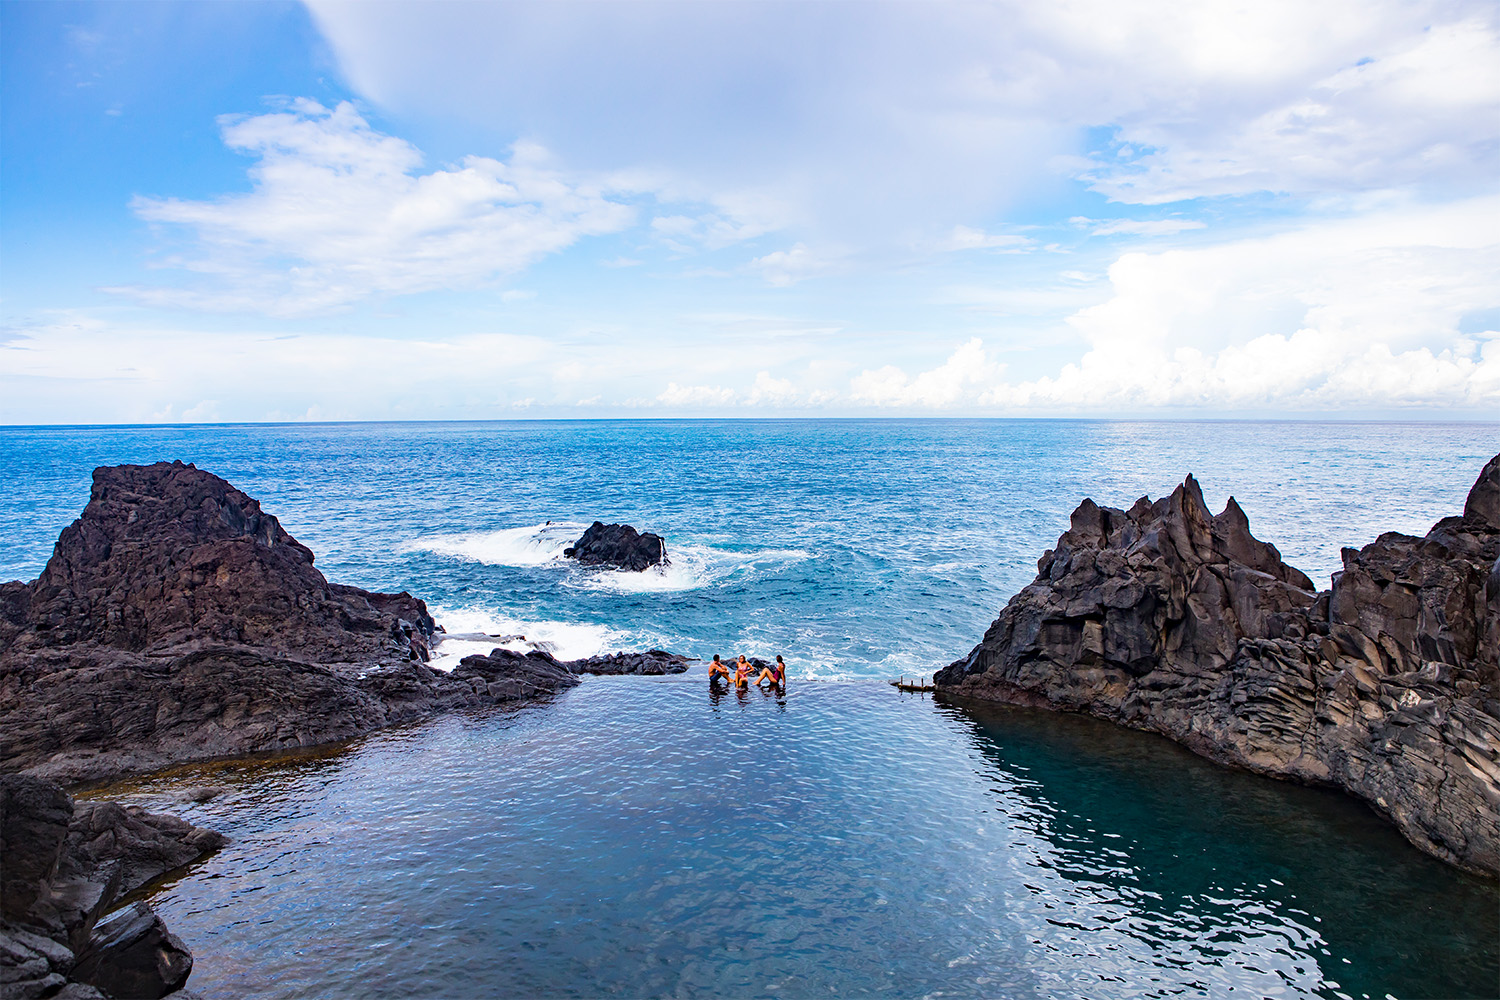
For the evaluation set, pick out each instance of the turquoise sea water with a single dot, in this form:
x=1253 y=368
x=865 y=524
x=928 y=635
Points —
x=638 y=837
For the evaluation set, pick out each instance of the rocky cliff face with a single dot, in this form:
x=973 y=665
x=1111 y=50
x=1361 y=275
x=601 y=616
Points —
x=178 y=621
x=1168 y=618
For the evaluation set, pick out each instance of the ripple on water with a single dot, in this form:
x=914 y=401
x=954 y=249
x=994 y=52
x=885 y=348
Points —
x=641 y=837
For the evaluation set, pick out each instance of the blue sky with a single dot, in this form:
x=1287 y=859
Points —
x=275 y=211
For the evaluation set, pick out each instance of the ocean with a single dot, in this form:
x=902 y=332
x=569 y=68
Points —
x=642 y=837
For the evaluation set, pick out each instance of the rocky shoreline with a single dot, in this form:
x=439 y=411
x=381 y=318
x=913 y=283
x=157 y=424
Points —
x=69 y=864
x=176 y=621
x=1170 y=619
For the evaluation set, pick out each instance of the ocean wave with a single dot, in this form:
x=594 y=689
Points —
x=534 y=545
x=691 y=567
x=475 y=630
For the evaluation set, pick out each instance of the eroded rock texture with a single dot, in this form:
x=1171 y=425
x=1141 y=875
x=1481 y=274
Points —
x=1168 y=618
x=619 y=545
x=178 y=621
x=64 y=868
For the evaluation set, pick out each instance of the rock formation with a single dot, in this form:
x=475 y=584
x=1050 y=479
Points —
x=65 y=867
x=619 y=545
x=1167 y=618
x=654 y=662
x=177 y=621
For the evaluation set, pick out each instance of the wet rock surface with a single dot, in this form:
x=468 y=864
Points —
x=1168 y=618
x=653 y=662
x=74 y=865
x=177 y=621
x=620 y=546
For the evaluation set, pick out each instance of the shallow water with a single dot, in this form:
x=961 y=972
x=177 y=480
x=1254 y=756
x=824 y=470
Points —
x=643 y=837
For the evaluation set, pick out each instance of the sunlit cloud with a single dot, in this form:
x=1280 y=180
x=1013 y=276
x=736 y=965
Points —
x=339 y=212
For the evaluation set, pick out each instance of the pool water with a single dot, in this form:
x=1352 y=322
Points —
x=647 y=837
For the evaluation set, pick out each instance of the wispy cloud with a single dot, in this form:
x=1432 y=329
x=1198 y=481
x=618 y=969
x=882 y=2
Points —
x=339 y=212
x=1137 y=227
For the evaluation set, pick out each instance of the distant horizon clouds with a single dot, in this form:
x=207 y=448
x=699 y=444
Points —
x=793 y=207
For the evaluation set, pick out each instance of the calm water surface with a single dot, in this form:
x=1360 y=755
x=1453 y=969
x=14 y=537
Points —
x=641 y=837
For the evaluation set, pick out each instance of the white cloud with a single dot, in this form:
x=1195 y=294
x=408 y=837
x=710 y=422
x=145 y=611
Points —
x=339 y=213
x=933 y=116
x=787 y=267
x=968 y=238
x=695 y=396
x=957 y=381
x=1314 y=99
x=1137 y=227
x=1356 y=314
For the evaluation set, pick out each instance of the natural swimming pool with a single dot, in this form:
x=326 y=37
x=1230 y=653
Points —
x=640 y=836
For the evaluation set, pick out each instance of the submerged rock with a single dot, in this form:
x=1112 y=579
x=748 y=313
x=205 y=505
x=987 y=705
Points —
x=1168 y=618
x=619 y=545
x=65 y=867
x=177 y=621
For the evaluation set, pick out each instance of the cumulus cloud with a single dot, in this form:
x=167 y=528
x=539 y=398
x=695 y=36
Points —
x=1358 y=314
x=953 y=383
x=339 y=212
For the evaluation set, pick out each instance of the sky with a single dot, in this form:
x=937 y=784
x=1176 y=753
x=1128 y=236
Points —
x=371 y=211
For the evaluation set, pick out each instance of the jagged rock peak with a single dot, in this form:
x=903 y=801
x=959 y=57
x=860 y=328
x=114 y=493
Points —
x=1387 y=685
x=1483 y=503
x=166 y=554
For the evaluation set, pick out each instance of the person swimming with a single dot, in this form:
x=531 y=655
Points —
x=717 y=669
x=776 y=673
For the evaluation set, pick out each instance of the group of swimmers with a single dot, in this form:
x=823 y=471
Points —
x=775 y=673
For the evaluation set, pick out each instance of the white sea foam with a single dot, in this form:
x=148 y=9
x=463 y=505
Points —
x=565 y=640
x=691 y=567
x=534 y=545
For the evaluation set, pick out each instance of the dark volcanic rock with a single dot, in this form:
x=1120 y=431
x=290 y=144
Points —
x=652 y=662
x=1169 y=619
x=504 y=673
x=178 y=621
x=72 y=867
x=132 y=954
x=619 y=545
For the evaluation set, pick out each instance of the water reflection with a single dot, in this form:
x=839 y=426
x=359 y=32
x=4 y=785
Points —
x=1216 y=868
x=631 y=840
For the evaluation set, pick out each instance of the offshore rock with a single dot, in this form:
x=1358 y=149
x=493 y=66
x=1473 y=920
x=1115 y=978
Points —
x=1170 y=619
x=72 y=866
x=177 y=621
x=619 y=545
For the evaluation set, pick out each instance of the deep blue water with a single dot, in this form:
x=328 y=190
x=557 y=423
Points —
x=637 y=837
x=855 y=548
